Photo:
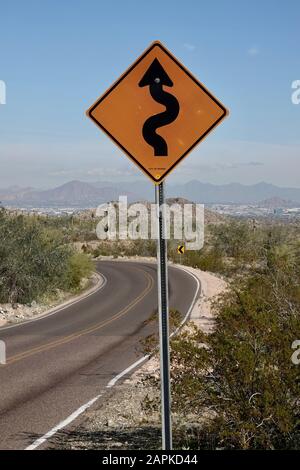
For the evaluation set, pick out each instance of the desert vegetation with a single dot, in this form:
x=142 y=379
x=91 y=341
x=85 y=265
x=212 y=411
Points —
x=36 y=259
x=237 y=387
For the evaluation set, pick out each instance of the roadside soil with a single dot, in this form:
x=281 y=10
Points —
x=16 y=313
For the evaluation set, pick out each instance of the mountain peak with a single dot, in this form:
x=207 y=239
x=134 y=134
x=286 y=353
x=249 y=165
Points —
x=83 y=194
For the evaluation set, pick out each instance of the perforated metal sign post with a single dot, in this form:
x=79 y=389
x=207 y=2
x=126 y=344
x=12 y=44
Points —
x=157 y=112
x=163 y=311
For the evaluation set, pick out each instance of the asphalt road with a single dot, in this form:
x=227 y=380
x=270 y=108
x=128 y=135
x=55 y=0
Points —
x=57 y=363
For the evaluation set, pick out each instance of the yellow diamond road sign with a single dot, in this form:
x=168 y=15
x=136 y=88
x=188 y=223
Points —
x=157 y=112
x=180 y=249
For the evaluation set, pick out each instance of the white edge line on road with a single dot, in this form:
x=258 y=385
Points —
x=113 y=381
x=63 y=424
x=192 y=304
x=58 y=309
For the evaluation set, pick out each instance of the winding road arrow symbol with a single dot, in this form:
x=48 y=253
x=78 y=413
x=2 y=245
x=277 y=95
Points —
x=155 y=78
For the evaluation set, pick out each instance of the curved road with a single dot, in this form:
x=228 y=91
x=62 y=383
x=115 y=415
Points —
x=57 y=363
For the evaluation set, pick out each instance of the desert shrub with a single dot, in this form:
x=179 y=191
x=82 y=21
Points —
x=237 y=387
x=128 y=248
x=241 y=376
x=101 y=250
x=206 y=259
x=34 y=259
x=79 y=267
x=237 y=240
x=141 y=248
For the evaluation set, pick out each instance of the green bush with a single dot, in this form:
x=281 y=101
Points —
x=242 y=375
x=34 y=259
x=79 y=267
x=125 y=248
x=206 y=259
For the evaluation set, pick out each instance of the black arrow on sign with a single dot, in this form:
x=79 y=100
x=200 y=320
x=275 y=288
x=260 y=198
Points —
x=155 y=78
x=180 y=249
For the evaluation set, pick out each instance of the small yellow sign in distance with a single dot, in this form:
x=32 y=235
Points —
x=157 y=112
x=180 y=249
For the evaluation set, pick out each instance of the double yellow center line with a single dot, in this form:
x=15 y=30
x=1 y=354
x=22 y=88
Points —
x=97 y=326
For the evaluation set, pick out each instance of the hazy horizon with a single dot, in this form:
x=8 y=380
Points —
x=60 y=61
x=137 y=180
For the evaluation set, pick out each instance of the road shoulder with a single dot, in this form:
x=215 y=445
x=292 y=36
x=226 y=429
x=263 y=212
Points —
x=10 y=316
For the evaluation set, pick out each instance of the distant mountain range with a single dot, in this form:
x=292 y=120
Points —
x=83 y=195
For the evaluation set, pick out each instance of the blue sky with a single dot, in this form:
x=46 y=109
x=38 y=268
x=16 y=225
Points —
x=57 y=57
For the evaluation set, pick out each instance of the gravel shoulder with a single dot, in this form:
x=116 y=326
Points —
x=118 y=420
x=12 y=314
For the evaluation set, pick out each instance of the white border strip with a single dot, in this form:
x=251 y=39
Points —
x=112 y=382
x=193 y=301
x=64 y=306
x=63 y=424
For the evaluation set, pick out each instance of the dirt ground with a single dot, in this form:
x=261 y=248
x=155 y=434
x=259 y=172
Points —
x=17 y=313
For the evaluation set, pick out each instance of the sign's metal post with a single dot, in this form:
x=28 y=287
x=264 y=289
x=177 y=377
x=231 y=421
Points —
x=163 y=311
x=142 y=86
